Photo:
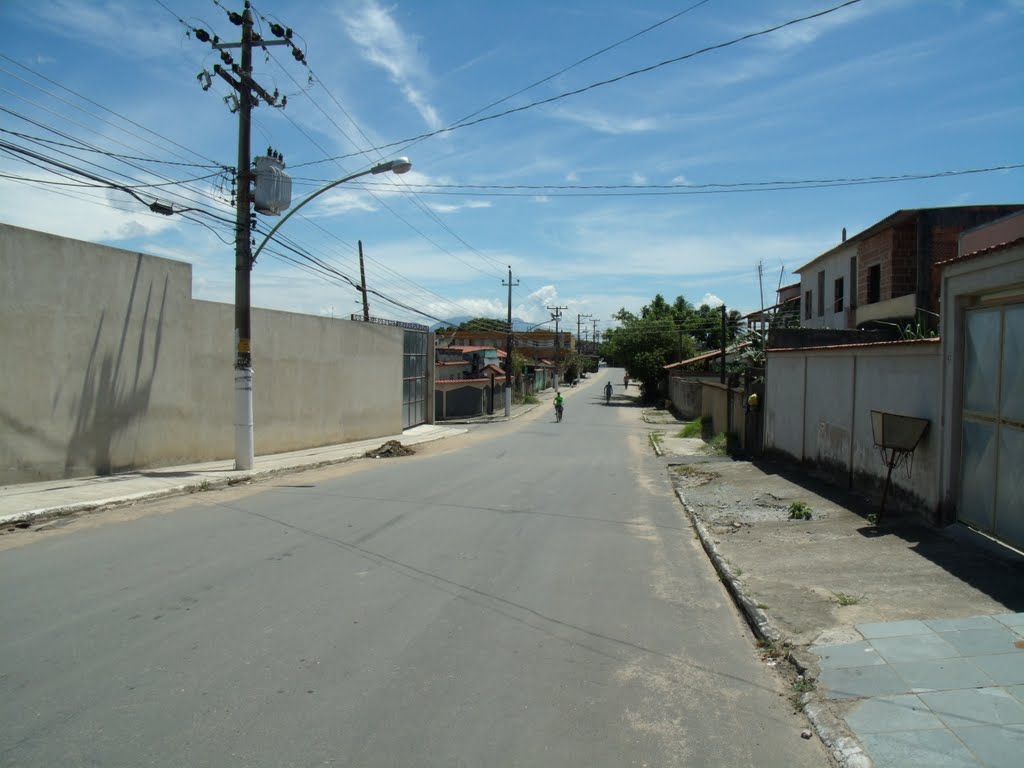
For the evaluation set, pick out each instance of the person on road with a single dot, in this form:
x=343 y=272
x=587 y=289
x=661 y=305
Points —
x=607 y=393
x=559 y=405
x=625 y=381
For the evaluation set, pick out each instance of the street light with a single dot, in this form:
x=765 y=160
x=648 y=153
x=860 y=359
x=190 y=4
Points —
x=244 y=442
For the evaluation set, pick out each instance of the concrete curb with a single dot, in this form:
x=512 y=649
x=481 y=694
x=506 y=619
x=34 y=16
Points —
x=195 y=486
x=833 y=733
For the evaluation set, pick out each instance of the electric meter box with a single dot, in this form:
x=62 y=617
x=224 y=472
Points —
x=273 y=193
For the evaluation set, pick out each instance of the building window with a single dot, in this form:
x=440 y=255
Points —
x=821 y=293
x=807 y=305
x=838 y=303
x=875 y=284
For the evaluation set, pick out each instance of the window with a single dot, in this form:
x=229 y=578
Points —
x=875 y=284
x=807 y=305
x=821 y=293
x=837 y=304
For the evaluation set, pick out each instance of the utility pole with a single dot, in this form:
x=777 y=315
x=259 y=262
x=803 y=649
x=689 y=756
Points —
x=723 y=343
x=250 y=94
x=362 y=279
x=508 y=346
x=556 y=315
x=594 y=335
x=579 y=324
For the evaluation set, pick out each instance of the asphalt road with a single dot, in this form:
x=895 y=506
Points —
x=527 y=595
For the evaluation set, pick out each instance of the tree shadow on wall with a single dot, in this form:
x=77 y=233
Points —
x=112 y=400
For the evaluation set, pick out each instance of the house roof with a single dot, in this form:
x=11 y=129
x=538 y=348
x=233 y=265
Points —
x=708 y=355
x=898 y=342
x=982 y=252
x=501 y=352
x=460 y=363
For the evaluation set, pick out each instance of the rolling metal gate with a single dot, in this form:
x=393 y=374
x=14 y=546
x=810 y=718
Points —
x=991 y=484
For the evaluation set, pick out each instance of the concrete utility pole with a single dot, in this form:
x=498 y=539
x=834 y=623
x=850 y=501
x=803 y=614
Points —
x=594 y=335
x=579 y=323
x=362 y=282
x=508 y=346
x=724 y=341
x=250 y=93
x=556 y=315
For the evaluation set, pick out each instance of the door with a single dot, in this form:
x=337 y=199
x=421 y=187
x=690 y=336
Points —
x=992 y=431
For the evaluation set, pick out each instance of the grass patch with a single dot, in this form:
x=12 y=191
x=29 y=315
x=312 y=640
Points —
x=531 y=400
x=799 y=510
x=690 y=429
x=762 y=606
x=718 y=445
x=842 y=598
x=802 y=684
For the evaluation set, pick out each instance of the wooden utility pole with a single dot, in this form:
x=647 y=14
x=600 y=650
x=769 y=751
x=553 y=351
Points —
x=362 y=284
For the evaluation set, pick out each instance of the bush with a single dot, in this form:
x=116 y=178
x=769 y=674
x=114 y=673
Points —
x=691 y=429
x=799 y=510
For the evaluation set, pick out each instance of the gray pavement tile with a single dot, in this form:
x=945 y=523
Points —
x=1010 y=619
x=914 y=648
x=893 y=629
x=859 y=654
x=1004 y=669
x=856 y=682
x=982 y=642
x=998 y=746
x=1017 y=691
x=918 y=749
x=941 y=674
x=887 y=714
x=971 y=622
x=977 y=706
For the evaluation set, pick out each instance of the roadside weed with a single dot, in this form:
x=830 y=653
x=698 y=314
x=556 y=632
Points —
x=799 y=510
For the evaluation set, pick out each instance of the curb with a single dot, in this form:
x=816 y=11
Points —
x=199 y=486
x=845 y=749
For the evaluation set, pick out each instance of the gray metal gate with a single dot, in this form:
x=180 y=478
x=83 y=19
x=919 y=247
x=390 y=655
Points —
x=414 y=378
x=992 y=454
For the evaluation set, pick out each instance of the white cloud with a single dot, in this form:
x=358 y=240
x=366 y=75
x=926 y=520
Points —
x=454 y=207
x=711 y=300
x=385 y=44
x=541 y=199
x=605 y=123
x=638 y=179
x=106 y=23
x=680 y=179
x=572 y=177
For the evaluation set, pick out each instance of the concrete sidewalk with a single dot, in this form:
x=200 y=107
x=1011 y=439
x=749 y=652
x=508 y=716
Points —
x=909 y=639
x=22 y=503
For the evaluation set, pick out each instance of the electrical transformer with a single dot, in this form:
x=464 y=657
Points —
x=273 y=193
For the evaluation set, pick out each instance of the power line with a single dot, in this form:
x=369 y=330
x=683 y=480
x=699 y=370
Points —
x=601 y=83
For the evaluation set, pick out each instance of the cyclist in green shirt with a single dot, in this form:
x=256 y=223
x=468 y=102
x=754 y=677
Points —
x=559 y=405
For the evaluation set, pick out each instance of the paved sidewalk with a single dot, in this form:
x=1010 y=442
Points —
x=27 y=501
x=910 y=638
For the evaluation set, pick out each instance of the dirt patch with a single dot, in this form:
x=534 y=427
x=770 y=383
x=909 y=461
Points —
x=690 y=476
x=390 y=449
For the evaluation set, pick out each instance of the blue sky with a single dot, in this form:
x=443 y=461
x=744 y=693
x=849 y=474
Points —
x=879 y=88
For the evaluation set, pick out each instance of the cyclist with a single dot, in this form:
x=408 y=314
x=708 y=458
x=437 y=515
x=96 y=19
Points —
x=559 y=405
x=608 y=393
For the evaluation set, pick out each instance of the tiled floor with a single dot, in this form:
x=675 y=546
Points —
x=943 y=693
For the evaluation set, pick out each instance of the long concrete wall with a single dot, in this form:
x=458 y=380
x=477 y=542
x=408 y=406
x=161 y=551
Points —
x=107 y=363
x=818 y=405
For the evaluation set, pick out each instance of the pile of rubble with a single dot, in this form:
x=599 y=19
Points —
x=389 y=450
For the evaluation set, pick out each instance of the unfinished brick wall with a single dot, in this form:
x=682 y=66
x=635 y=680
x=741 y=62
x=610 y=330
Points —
x=874 y=250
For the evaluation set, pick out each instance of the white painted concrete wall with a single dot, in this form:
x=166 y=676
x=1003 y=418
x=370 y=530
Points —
x=835 y=265
x=818 y=405
x=108 y=364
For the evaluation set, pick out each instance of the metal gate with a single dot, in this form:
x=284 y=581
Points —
x=992 y=453
x=414 y=378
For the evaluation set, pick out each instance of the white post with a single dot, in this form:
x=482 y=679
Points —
x=243 y=419
x=508 y=402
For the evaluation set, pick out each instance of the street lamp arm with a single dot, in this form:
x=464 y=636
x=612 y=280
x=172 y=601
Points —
x=400 y=165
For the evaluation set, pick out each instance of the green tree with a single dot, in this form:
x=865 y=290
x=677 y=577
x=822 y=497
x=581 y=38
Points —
x=644 y=343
